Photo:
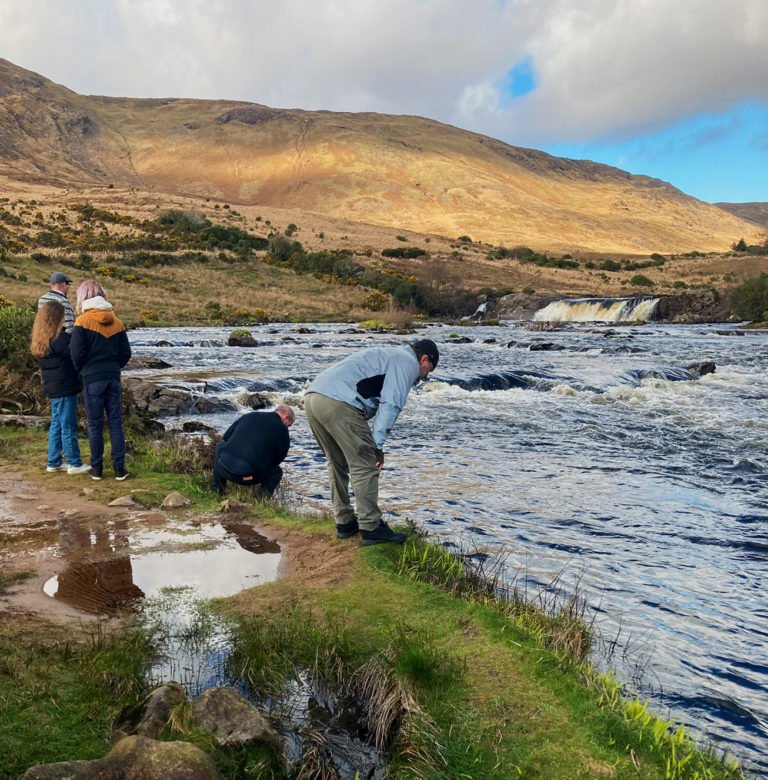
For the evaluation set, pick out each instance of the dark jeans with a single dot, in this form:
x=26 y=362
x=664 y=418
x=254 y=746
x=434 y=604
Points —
x=101 y=397
x=268 y=480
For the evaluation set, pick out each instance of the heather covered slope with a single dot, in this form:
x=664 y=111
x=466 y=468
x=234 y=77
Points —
x=398 y=172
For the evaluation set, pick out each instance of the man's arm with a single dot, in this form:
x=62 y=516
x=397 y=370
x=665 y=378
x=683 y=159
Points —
x=400 y=377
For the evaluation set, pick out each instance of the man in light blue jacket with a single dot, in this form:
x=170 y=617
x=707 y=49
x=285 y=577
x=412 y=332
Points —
x=373 y=383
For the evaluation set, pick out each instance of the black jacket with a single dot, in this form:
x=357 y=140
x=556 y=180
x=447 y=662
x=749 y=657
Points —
x=60 y=377
x=255 y=443
x=100 y=346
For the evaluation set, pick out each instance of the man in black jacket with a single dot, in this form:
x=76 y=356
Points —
x=252 y=450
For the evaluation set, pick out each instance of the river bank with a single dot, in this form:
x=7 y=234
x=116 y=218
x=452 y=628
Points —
x=501 y=697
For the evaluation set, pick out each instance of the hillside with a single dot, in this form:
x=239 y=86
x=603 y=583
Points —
x=754 y=212
x=395 y=172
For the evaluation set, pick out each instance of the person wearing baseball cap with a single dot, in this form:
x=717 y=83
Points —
x=60 y=286
x=370 y=384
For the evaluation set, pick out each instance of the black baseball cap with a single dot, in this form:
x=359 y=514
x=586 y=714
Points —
x=57 y=277
x=429 y=348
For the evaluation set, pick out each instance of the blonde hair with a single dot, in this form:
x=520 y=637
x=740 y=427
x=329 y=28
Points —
x=48 y=323
x=90 y=288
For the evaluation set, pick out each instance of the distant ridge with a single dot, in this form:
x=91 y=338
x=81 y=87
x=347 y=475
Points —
x=402 y=172
x=754 y=212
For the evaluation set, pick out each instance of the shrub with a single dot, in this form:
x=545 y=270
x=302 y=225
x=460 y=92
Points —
x=375 y=301
x=15 y=328
x=404 y=251
x=281 y=248
x=750 y=300
x=610 y=265
x=638 y=280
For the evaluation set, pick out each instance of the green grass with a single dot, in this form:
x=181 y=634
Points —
x=61 y=690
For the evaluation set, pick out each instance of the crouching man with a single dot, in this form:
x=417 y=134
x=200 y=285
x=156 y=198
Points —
x=252 y=450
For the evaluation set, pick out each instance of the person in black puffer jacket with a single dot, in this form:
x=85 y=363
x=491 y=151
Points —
x=100 y=348
x=61 y=382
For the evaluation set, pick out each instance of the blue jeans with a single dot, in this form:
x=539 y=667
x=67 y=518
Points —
x=104 y=396
x=62 y=435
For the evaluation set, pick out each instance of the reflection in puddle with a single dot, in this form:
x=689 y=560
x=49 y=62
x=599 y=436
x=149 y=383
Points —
x=209 y=560
x=192 y=643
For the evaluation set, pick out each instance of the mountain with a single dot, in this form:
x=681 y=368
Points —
x=402 y=172
x=754 y=212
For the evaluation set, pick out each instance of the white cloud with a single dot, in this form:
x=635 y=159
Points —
x=604 y=68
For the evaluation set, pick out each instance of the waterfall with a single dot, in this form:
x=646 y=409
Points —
x=633 y=309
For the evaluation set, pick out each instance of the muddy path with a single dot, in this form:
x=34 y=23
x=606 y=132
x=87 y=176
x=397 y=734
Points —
x=89 y=559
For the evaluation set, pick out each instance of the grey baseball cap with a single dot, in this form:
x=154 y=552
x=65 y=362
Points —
x=57 y=277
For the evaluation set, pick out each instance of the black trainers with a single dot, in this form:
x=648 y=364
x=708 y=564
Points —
x=381 y=534
x=95 y=473
x=121 y=474
x=345 y=530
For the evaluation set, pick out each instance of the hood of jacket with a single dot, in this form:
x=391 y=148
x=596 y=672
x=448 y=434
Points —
x=98 y=302
x=98 y=316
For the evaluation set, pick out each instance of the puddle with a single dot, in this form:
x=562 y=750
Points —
x=208 y=561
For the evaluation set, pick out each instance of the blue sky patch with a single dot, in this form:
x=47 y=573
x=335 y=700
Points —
x=521 y=79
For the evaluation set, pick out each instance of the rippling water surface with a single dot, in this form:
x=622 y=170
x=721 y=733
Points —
x=597 y=456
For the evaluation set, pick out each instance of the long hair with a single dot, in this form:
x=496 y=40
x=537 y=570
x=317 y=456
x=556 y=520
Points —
x=90 y=288
x=48 y=323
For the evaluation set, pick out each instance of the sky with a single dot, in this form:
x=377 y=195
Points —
x=674 y=89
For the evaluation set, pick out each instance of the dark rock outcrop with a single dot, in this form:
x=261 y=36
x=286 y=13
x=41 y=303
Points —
x=155 y=400
x=693 y=307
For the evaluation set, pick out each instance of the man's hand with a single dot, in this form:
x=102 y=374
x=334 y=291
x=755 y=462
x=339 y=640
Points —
x=379 y=457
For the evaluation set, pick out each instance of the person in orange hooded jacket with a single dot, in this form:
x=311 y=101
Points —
x=100 y=348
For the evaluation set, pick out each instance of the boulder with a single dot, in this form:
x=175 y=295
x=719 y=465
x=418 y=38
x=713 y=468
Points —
x=241 y=338
x=123 y=501
x=146 y=361
x=232 y=719
x=193 y=426
x=252 y=400
x=175 y=500
x=135 y=758
x=151 y=715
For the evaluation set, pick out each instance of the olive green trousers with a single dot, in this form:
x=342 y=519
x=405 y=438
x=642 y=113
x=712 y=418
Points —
x=344 y=436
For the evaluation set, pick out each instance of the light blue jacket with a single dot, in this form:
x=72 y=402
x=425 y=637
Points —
x=376 y=381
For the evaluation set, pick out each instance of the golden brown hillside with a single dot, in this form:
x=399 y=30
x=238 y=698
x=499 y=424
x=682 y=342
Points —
x=397 y=172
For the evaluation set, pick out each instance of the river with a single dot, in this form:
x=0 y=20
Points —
x=593 y=456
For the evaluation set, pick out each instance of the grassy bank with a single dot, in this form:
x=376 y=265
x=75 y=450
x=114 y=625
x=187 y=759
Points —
x=453 y=680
